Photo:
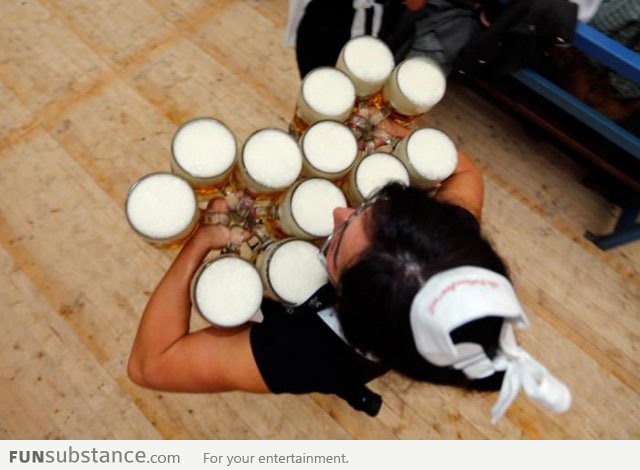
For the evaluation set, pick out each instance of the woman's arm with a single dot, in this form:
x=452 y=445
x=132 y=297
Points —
x=464 y=187
x=166 y=356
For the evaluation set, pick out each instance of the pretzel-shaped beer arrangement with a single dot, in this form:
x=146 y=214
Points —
x=281 y=188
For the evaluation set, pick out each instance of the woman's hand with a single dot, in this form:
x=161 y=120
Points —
x=392 y=131
x=165 y=355
x=214 y=235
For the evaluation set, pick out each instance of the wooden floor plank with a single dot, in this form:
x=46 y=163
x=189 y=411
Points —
x=179 y=12
x=275 y=11
x=103 y=313
x=357 y=424
x=90 y=98
x=13 y=113
x=42 y=61
x=114 y=30
x=256 y=56
x=117 y=137
x=52 y=368
x=597 y=303
x=184 y=82
x=419 y=415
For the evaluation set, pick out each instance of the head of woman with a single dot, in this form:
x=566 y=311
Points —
x=379 y=257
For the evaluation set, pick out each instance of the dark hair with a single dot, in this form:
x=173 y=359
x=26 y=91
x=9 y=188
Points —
x=413 y=237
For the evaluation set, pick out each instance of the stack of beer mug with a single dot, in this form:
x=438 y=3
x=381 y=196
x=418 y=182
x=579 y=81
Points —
x=364 y=89
x=274 y=215
x=282 y=188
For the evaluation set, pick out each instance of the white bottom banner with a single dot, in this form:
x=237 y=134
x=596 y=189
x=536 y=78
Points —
x=338 y=455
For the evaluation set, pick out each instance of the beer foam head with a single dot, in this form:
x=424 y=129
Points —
x=204 y=148
x=228 y=291
x=422 y=81
x=432 y=154
x=313 y=203
x=328 y=91
x=330 y=146
x=295 y=271
x=368 y=59
x=378 y=169
x=272 y=158
x=161 y=205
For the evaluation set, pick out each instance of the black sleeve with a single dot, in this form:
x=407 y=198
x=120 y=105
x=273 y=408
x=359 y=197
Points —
x=301 y=354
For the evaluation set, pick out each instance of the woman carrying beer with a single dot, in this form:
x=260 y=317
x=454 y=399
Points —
x=414 y=288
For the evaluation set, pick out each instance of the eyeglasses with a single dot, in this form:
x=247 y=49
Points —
x=340 y=229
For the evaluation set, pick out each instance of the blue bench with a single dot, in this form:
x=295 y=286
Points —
x=627 y=63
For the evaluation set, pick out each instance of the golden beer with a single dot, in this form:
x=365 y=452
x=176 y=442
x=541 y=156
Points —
x=368 y=62
x=329 y=148
x=373 y=172
x=291 y=271
x=413 y=88
x=227 y=291
x=203 y=152
x=429 y=155
x=162 y=208
x=325 y=93
x=270 y=162
x=306 y=210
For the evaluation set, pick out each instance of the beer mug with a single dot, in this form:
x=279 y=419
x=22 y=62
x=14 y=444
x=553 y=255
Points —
x=325 y=93
x=203 y=152
x=368 y=62
x=306 y=209
x=162 y=208
x=270 y=162
x=227 y=291
x=413 y=88
x=329 y=148
x=429 y=155
x=291 y=271
x=373 y=172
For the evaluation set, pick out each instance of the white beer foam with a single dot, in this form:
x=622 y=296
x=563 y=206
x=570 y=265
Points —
x=330 y=146
x=313 y=203
x=204 y=148
x=295 y=271
x=378 y=169
x=369 y=59
x=228 y=292
x=273 y=158
x=422 y=81
x=432 y=153
x=328 y=91
x=161 y=206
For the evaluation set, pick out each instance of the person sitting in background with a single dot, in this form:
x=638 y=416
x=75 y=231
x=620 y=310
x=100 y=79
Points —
x=319 y=28
x=476 y=37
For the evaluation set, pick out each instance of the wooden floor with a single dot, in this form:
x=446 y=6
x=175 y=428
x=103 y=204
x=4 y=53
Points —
x=90 y=96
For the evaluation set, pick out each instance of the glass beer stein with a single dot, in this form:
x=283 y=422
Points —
x=368 y=62
x=162 y=208
x=227 y=291
x=329 y=148
x=203 y=152
x=415 y=86
x=371 y=173
x=291 y=271
x=325 y=93
x=429 y=155
x=306 y=209
x=269 y=163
